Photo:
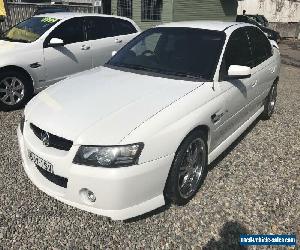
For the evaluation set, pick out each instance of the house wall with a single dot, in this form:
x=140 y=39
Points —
x=167 y=13
x=274 y=10
x=205 y=9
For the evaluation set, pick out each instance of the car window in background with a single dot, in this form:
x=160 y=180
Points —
x=238 y=50
x=122 y=27
x=29 y=30
x=182 y=52
x=260 y=45
x=70 y=31
x=98 y=27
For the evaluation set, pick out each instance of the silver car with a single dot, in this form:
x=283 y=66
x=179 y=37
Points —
x=47 y=48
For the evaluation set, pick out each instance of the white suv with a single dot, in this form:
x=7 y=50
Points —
x=47 y=48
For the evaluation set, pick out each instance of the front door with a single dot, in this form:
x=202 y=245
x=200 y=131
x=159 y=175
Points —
x=237 y=93
x=74 y=56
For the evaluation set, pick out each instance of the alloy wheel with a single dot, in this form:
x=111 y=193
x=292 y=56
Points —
x=11 y=90
x=192 y=167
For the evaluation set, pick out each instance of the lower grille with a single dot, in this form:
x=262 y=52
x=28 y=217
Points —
x=54 y=141
x=56 y=179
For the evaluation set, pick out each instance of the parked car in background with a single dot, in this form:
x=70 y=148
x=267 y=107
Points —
x=271 y=34
x=260 y=19
x=47 y=48
x=50 y=9
x=121 y=139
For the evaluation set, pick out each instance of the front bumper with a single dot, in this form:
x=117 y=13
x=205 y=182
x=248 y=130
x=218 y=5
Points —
x=121 y=193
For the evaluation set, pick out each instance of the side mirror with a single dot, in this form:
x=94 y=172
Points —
x=239 y=72
x=113 y=53
x=56 y=42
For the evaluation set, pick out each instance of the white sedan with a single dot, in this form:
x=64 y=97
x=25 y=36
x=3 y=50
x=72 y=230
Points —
x=122 y=139
x=47 y=48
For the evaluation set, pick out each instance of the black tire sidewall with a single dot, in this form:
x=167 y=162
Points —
x=28 y=89
x=171 y=191
x=266 y=113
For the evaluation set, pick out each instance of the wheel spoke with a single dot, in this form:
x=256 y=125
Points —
x=12 y=99
x=6 y=83
x=5 y=97
x=3 y=91
x=18 y=87
x=13 y=82
x=17 y=94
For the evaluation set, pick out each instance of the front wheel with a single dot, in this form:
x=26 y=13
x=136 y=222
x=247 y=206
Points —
x=15 y=90
x=269 y=105
x=188 y=170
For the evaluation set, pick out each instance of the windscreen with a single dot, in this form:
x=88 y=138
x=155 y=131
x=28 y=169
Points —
x=185 y=52
x=30 y=29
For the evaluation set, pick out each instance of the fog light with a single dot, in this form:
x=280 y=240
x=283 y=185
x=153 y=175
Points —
x=87 y=196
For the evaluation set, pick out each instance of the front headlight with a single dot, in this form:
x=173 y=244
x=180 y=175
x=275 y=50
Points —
x=109 y=156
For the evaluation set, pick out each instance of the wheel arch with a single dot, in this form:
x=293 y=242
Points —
x=204 y=129
x=18 y=69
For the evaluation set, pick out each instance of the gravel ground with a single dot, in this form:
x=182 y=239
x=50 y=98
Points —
x=254 y=187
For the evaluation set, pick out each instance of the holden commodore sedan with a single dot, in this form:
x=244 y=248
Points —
x=123 y=139
x=47 y=48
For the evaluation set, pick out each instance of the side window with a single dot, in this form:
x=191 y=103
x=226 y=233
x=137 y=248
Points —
x=237 y=51
x=149 y=44
x=123 y=27
x=70 y=31
x=98 y=27
x=260 y=45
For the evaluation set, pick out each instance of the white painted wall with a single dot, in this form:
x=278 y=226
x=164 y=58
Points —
x=273 y=10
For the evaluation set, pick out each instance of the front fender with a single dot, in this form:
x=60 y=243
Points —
x=163 y=133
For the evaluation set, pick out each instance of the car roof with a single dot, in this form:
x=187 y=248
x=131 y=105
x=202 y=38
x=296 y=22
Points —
x=68 y=15
x=207 y=25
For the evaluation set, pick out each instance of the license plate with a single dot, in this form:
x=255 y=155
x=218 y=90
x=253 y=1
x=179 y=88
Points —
x=38 y=161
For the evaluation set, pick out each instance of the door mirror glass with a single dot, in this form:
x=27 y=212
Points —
x=113 y=53
x=239 y=72
x=56 y=42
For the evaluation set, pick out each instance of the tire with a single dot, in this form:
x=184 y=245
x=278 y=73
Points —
x=270 y=101
x=177 y=179
x=15 y=90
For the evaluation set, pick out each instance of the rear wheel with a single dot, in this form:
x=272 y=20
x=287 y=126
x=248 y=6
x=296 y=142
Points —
x=15 y=90
x=270 y=102
x=188 y=170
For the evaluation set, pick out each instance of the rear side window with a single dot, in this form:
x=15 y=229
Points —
x=70 y=31
x=238 y=51
x=260 y=45
x=122 y=27
x=98 y=27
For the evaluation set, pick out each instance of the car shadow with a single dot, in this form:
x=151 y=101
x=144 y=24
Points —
x=229 y=237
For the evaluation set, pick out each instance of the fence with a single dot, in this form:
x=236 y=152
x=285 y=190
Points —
x=17 y=12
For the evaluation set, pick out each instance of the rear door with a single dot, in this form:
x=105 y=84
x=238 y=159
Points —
x=124 y=31
x=107 y=34
x=74 y=56
x=264 y=66
x=101 y=38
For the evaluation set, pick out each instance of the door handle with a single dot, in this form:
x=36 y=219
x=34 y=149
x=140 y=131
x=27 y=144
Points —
x=118 y=40
x=255 y=83
x=85 y=47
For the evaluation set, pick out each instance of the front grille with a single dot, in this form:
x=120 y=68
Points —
x=56 y=179
x=54 y=141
